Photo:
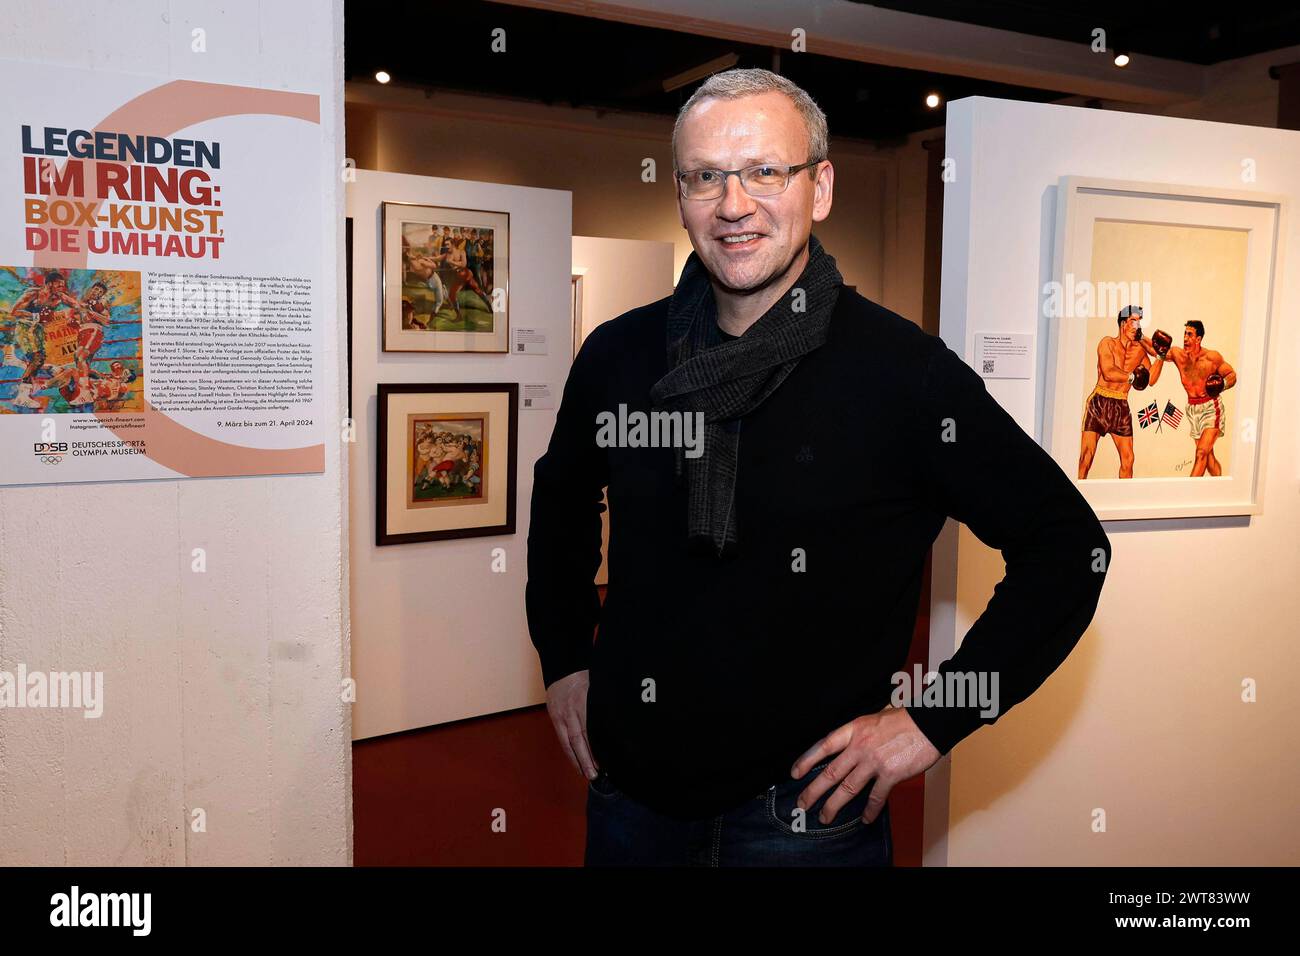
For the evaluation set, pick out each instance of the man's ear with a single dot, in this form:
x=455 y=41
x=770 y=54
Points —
x=823 y=189
x=681 y=212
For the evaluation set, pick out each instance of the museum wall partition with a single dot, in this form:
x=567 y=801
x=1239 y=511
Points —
x=462 y=336
x=1169 y=725
x=171 y=322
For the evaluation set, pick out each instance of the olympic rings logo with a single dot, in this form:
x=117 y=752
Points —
x=51 y=459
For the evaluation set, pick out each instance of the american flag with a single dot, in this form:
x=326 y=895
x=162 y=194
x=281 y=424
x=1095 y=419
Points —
x=1148 y=415
x=1172 y=415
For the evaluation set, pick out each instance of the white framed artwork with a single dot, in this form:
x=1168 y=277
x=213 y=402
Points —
x=1159 y=311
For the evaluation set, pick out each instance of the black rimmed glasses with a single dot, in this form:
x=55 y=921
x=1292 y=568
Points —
x=765 y=179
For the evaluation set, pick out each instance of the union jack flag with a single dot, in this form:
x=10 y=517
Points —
x=1172 y=415
x=1148 y=415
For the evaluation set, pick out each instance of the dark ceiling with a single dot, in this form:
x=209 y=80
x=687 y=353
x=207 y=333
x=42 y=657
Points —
x=1177 y=31
x=557 y=58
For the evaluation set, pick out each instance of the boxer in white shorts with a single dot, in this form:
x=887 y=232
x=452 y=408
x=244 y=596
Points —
x=1205 y=412
x=1205 y=375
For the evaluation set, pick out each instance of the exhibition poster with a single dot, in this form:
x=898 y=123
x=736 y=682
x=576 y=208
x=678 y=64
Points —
x=160 y=278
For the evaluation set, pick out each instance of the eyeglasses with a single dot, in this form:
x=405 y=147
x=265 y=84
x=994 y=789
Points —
x=767 y=179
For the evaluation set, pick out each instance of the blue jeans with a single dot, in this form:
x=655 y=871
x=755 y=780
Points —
x=764 y=831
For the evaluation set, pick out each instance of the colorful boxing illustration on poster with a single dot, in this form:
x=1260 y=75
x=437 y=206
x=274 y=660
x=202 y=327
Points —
x=70 y=341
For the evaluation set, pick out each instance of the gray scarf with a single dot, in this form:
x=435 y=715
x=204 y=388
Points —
x=728 y=379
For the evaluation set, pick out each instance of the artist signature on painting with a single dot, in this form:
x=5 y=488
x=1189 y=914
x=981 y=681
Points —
x=1181 y=465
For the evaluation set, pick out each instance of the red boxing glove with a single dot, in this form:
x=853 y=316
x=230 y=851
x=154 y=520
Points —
x=1214 y=385
x=1140 y=377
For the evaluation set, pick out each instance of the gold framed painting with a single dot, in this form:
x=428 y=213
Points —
x=447 y=461
x=446 y=278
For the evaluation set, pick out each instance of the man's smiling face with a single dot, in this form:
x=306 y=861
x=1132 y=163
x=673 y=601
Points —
x=748 y=242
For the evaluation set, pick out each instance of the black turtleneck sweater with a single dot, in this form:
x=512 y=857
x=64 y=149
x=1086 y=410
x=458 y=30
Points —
x=708 y=678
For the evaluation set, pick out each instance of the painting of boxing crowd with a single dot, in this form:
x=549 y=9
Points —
x=70 y=341
x=446 y=461
x=447 y=277
x=1159 y=375
x=447 y=458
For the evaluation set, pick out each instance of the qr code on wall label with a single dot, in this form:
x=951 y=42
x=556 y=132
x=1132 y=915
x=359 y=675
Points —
x=988 y=365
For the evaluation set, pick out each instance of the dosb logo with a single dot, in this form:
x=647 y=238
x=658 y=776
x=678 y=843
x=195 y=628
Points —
x=50 y=452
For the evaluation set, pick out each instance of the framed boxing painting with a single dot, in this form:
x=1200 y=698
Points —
x=1158 y=317
x=446 y=279
x=446 y=465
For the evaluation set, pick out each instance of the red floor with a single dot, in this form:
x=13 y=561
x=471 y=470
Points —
x=430 y=797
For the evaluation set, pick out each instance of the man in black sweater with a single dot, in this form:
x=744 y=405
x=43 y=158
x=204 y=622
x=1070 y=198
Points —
x=743 y=702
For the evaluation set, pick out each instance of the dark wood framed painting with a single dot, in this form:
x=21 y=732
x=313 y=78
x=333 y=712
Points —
x=347 y=255
x=447 y=461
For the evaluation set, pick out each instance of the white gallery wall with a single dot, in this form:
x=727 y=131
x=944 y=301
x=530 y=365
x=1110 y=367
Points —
x=437 y=634
x=1145 y=720
x=222 y=690
x=619 y=275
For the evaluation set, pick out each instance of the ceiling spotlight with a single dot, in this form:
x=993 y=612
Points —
x=932 y=100
x=1121 y=59
x=382 y=76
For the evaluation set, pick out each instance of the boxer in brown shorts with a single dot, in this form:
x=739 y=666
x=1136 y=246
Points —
x=1122 y=364
x=1107 y=413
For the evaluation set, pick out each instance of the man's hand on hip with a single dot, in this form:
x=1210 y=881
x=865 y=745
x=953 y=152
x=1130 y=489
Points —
x=566 y=702
x=886 y=745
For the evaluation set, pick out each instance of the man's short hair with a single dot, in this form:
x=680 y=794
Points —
x=1198 y=325
x=733 y=84
x=1126 y=313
